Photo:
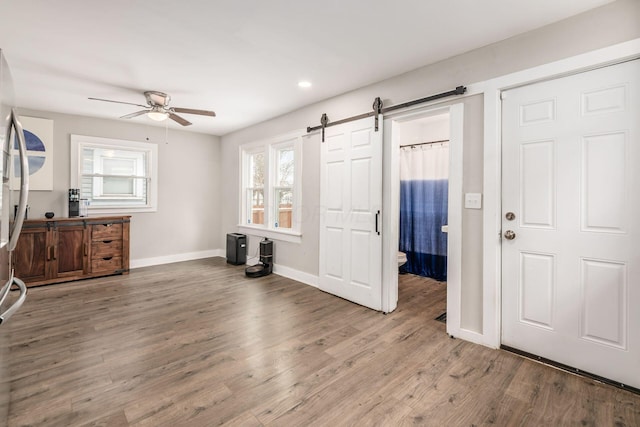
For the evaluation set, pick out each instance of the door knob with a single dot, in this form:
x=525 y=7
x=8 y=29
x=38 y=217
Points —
x=509 y=235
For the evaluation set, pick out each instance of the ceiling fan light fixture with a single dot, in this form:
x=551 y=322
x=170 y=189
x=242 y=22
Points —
x=158 y=116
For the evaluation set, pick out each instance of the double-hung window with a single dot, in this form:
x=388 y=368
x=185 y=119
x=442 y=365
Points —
x=255 y=189
x=114 y=175
x=284 y=169
x=271 y=196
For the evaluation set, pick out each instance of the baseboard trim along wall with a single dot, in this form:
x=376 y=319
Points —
x=281 y=270
x=168 y=259
x=300 y=276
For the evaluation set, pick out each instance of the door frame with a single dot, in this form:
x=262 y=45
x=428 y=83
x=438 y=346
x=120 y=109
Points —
x=391 y=205
x=492 y=249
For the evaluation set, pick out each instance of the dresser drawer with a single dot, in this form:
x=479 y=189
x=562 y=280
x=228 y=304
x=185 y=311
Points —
x=106 y=264
x=106 y=231
x=106 y=248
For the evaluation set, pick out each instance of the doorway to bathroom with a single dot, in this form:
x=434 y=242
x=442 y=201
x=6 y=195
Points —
x=424 y=191
x=438 y=131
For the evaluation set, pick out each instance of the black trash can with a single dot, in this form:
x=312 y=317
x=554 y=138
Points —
x=236 y=249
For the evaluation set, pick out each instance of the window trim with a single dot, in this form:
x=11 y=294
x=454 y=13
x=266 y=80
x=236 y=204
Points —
x=80 y=141
x=270 y=147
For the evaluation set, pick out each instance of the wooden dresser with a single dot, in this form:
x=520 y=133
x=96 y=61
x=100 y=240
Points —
x=65 y=249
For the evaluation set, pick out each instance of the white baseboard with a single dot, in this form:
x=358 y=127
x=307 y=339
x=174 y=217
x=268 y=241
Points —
x=471 y=336
x=292 y=273
x=168 y=259
x=281 y=270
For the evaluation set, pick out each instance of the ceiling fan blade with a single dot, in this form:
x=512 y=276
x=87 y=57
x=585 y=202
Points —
x=179 y=119
x=136 y=114
x=118 y=102
x=192 y=111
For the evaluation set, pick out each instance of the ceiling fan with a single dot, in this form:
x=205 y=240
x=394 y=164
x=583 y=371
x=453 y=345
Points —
x=158 y=109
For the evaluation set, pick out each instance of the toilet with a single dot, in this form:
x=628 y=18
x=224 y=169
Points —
x=402 y=258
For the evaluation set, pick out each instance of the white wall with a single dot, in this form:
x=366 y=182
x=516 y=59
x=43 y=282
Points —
x=608 y=25
x=427 y=129
x=187 y=223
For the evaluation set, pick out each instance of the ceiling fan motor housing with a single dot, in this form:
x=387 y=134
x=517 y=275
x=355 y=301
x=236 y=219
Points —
x=155 y=98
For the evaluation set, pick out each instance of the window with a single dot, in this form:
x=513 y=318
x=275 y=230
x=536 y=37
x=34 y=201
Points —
x=114 y=175
x=255 y=189
x=283 y=188
x=271 y=187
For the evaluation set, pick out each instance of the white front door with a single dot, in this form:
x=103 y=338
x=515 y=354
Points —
x=350 y=212
x=571 y=179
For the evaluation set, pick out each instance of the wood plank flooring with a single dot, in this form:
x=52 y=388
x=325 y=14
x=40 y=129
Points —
x=198 y=344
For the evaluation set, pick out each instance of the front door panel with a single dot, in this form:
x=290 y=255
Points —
x=571 y=270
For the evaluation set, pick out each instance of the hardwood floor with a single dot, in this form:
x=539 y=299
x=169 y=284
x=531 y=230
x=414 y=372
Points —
x=198 y=344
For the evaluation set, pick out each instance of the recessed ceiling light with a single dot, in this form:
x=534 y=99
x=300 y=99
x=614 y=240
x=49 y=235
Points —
x=304 y=83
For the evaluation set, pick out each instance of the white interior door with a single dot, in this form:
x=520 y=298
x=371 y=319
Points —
x=350 y=212
x=571 y=273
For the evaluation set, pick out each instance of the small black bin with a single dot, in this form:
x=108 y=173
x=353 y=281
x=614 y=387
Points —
x=236 y=249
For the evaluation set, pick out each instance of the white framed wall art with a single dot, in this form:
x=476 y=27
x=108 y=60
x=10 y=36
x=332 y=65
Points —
x=39 y=140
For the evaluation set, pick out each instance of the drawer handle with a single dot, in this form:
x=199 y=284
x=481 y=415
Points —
x=107 y=241
x=107 y=258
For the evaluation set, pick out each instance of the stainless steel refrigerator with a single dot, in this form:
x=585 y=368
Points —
x=12 y=290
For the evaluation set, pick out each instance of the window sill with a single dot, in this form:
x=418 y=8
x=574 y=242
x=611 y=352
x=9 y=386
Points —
x=120 y=210
x=281 y=235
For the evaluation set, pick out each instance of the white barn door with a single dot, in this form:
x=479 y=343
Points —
x=571 y=221
x=350 y=212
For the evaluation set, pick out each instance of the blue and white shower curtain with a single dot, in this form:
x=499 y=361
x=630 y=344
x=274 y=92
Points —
x=424 y=185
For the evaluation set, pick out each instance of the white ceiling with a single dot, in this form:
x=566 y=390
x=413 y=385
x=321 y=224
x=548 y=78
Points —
x=241 y=58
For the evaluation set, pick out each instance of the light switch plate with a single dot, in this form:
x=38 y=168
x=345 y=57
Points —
x=473 y=200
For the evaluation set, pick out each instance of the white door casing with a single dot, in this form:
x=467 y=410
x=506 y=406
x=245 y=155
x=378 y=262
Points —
x=391 y=202
x=350 y=212
x=571 y=275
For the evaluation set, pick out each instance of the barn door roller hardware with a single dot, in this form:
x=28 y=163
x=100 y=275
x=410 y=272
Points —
x=378 y=109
